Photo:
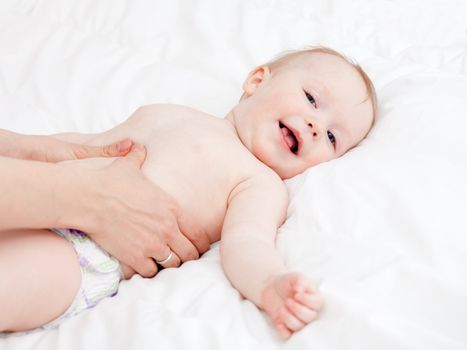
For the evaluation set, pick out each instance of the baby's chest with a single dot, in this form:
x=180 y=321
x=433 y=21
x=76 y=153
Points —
x=199 y=178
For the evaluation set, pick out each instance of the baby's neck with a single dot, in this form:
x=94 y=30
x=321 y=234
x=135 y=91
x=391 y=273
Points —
x=230 y=121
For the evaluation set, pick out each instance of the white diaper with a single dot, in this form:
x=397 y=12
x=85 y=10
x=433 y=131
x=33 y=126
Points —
x=100 y=274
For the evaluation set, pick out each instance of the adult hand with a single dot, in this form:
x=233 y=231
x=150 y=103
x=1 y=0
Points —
x=117 y=206
x=50 y=149
x=136 y=221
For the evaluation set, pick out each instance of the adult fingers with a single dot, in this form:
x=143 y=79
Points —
x=136 y=155
x=147 y=268
x=162 y=253
x=144 y=262
x=182 y=247
x=171 y=260
x=194 y=233
x=114 y=150
x=184 y=237
x=178 y=241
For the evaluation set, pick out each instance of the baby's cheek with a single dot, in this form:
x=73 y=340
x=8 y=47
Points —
x=264 y=152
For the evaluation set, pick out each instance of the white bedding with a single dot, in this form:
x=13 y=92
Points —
x=382 y=230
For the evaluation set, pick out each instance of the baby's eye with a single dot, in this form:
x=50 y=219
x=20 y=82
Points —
x=331 y=138
x=310 y=98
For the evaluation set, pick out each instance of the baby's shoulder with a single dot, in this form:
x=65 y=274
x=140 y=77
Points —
x=264 y=194
x=165 y=111
x=262 y=179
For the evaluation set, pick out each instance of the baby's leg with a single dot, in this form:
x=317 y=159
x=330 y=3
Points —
x=40 y=277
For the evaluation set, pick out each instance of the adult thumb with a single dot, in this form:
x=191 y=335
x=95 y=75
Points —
x=137 y=154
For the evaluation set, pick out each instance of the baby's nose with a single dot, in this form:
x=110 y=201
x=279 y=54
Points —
x=315 y=131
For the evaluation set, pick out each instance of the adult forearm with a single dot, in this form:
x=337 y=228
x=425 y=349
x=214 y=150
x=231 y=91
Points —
x=39 y=195
x=9 y=144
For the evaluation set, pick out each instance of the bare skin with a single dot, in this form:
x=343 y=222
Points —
x=226 y=174
x=130 y=217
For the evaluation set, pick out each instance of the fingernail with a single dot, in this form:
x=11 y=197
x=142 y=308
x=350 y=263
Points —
x=124 y=145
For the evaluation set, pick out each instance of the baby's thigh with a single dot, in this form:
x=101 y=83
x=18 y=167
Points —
x=40 y=278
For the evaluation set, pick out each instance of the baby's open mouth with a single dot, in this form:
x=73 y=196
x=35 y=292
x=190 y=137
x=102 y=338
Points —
x=290 y=138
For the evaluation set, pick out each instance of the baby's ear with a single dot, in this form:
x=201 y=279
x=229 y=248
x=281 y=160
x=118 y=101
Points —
x=255 y=79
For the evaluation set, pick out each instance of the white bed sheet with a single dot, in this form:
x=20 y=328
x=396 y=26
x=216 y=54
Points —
x=382 y=230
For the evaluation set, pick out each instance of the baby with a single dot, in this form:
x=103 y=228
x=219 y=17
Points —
x=302 y=109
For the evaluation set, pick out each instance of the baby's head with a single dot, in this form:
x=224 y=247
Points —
x=304 y=108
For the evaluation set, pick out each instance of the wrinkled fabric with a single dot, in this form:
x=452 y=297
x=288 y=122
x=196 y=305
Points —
x=381 y=230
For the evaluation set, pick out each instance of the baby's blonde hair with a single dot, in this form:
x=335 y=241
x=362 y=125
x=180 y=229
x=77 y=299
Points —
x=288 y=55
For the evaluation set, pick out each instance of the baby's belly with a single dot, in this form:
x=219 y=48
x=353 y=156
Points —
x=200 y=190
x=202 y=208
x=202 y=202
x=210 y=224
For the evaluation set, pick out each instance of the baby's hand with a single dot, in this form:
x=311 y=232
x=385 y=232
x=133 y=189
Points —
x=291 y=302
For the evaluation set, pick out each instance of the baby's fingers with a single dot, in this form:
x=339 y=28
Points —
x=313 y=301
x=303 y=313
x=290 y=320
x=284 y=333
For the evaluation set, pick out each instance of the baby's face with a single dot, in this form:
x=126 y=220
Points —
x=303 y=113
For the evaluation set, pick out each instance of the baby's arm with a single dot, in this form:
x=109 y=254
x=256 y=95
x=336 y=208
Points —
x=256 y=209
